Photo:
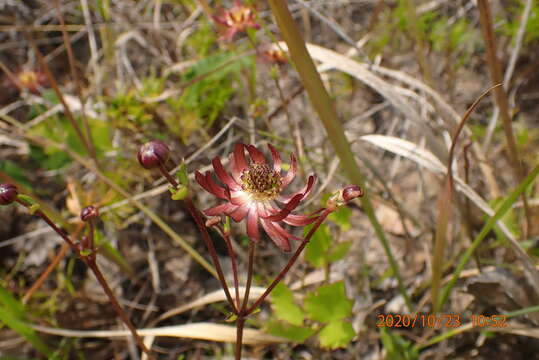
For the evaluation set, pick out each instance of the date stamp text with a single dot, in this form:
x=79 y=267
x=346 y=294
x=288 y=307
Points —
x=438 y=321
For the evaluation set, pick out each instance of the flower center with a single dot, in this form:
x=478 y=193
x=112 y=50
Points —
x=238 y=16
x=261 y=181
x=28 y=78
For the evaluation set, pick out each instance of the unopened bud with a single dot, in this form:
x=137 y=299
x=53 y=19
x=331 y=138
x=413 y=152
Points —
x=153 y=154
x=89 y=213
x=351 y=192
x=8 y=193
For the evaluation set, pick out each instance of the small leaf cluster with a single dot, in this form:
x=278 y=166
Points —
x=324 y=312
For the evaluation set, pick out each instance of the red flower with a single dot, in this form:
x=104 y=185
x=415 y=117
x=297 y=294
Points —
x=252 y=191
x=274 y=56
x=236 y=19
x=31 y=80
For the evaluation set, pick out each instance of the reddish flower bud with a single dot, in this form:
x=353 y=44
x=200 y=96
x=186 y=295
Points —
x=8 y=193
x=152 y=154
x=351 y=192
x=89 y=213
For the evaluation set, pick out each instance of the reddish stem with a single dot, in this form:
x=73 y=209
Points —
x=206 y=236
x=291 y=262
x=233 y=260
x=112 y=298
x=242 y=314
x=91 y=263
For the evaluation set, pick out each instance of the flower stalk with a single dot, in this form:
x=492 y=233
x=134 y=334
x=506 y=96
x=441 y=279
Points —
x=85 y=249
x=154 y=154
x=251 y=191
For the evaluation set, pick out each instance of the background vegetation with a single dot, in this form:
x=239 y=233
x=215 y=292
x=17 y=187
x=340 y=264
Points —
x=450 y=224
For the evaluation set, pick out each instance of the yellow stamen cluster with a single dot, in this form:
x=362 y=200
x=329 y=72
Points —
x=238 y=15
x=28 y=78
x=261 y=181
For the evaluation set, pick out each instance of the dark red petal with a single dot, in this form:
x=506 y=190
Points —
x=239 y=213
x=299 y=220
x=291 y=205
x=235 y=174
x=276 y=159
x=252 y=225
x=292 y=172
x=221 y=209
x=215 y=189
x=285 y=233
x=305 y=191
x=240 y=163
x=256 y=155
x=223 y=175
x=201 y=180
x=277 y=238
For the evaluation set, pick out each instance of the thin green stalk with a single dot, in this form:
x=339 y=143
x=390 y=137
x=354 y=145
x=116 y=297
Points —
x=445 y=206
x=58 y=92
x=326 y=111
x=74 y=75
x=495 y=68
x=504 y=207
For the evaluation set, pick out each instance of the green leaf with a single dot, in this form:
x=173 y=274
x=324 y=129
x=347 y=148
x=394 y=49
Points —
x=12 y=315
x=284 y=306
x=397 y=348
x=339 y=251
x=336 y=334
x=328 y=303
x=500 y=212
x=182 y=175
x=180 y=193
x=101 y=135
x=106 y=249
x=316 y=250
x=15 y=171
x=341 y=217
x=28 y=199
x=288 y=331
x=7 y=300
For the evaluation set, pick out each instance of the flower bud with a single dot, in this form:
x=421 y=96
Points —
x=89 y=213
x=153 y=154
x=8 y=193
x=351 y=192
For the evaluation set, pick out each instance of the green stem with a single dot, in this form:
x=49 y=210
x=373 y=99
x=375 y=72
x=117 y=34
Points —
x=324 y=107
x=495 y=68
x=504 y=207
